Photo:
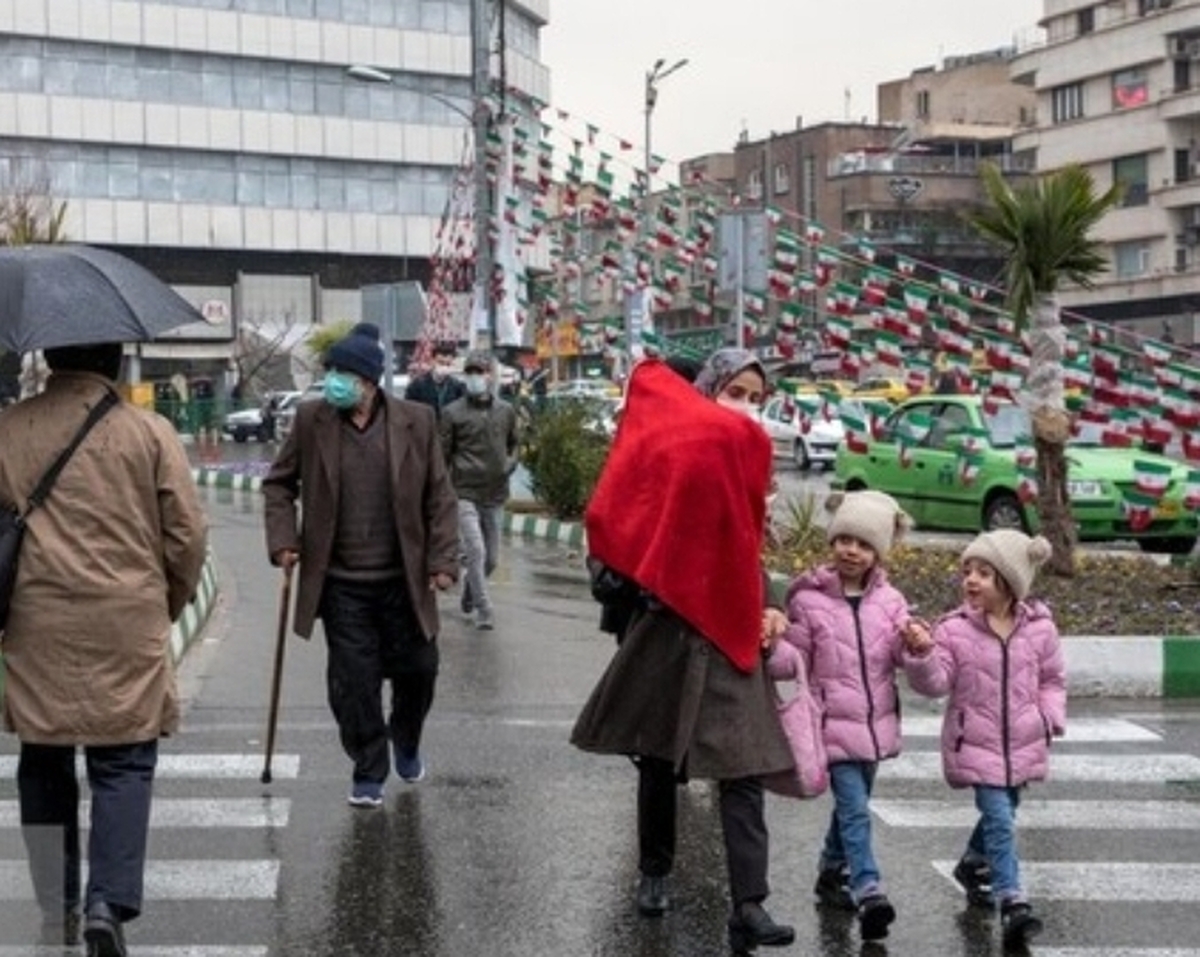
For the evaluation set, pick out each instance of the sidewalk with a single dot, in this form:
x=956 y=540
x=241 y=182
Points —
x=1117 y=666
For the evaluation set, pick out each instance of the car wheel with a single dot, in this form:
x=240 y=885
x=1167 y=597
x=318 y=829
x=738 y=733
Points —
x=1177 y=545
x=239 y=435
x=800 y=456
x=855 y=485
x=1004 y=511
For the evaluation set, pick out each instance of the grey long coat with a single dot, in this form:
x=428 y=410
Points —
x=424 y=508
x=668 y=693
x=107 y=563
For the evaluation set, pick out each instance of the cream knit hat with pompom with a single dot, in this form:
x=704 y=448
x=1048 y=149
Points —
x=1014 y=555
x=873 y=517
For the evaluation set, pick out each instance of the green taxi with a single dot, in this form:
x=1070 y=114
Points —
x=955 y=464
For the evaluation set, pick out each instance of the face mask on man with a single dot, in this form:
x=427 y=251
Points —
x=440 y=372
x=476 y=384
x=342 y=390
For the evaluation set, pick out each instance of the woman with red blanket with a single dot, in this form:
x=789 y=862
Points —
x=680 y=510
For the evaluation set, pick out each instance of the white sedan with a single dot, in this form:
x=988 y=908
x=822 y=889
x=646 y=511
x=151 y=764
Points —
x=803 y=433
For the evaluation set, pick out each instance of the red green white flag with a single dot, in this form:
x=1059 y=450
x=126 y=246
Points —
x=1139 y=510
x=1191 y=490
x=1151 y=478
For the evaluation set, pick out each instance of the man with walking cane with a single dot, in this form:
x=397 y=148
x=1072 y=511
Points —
x=378 y=539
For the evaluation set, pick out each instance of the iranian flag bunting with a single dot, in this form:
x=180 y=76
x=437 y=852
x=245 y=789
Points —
x=1151 y=478
x=1006 y=324
x=1027 y=485
x=889 y=347
x=814 y=233
x=950 y=283
x=969 y=466
x=856 y=434
x=905 y=266
x=916 y=301
x=1139 y=510
x=838 y=331
x=1159 y=353
x=1191 y=492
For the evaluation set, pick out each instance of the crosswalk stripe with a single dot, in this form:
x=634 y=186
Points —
x=1117 y=952
x=1124 y=883
x=175 y=880
x=1065 y=815
x=264 y=812
x=283 y=766
x=180 y=951
x=1079 y=730
x=1095 y=768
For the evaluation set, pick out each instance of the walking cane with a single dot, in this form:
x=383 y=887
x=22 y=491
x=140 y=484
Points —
x=285 y=601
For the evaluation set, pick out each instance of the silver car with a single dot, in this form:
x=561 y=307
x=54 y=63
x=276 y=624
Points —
x=802 y=434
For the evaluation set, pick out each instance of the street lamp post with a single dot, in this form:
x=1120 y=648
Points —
x=634 y=317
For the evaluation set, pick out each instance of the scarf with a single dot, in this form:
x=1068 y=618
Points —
x=680 y=508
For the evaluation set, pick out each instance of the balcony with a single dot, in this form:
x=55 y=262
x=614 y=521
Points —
x=917 y=164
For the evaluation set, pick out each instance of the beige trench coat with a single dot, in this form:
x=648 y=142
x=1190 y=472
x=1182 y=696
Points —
x=107 y=564
x=306 y=473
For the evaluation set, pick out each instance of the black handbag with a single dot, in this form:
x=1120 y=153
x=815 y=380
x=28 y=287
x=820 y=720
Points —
x=12 y=521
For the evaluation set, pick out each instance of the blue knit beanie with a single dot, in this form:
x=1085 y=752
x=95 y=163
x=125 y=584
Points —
x=359 y=352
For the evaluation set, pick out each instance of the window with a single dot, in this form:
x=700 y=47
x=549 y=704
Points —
x=1066 y=102
x=782 y=181
x=1085 y=20
x=923 y=104
x=1130 y=173
x=1131 y=259
x=1150 y=6
x=1129 y=88
x=754 y=185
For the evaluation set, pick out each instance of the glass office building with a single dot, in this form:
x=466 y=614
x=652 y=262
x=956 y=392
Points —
x=224 y=144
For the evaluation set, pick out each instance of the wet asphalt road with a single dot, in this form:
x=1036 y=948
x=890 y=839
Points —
x=518 y=844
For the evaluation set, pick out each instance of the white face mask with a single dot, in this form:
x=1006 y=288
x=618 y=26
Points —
x=476 y=384
x=748 y=409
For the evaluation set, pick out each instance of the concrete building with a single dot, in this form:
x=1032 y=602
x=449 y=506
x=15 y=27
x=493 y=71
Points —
x=223 y=144
x=1118 y=90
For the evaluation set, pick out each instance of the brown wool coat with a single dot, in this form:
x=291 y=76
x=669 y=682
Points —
x=424 y=507
x=107 y=563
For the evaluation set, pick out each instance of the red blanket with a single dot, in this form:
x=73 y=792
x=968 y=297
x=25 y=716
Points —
x=680 y=507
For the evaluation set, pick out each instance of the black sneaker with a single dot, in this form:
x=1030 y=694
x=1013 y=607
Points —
x=833 y=888
x=1019 y=925
x=652 y=897
x=975 y=878
x=875 y=915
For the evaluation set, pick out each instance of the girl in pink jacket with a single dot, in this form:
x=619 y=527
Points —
x=999 y=658
x=849 y=624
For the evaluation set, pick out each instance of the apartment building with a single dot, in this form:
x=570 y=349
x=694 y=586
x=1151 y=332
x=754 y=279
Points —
x=1118 y=90
x=229 y=146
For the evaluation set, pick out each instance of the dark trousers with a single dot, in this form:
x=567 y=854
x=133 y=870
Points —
x=373 y=635
x=121 y=780
x=742 y=824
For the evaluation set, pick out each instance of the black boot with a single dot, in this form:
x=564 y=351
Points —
x=975 y=878
x=1019 y=924
x=102 y=932
x=875 y=915
x=652 y=897
x=833 y=888
x=751 y=926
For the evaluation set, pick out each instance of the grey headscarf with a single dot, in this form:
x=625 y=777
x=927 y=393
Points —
x=725 y=365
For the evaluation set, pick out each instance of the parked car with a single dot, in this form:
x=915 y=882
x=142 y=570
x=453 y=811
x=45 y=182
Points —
x=918 y=454
x=800 y=431
x=891 y=390
x=283 y=422
x=247 y=423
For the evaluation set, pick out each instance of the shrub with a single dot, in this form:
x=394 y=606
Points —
x=564 y=447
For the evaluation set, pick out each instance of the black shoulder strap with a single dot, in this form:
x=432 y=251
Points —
x=38 y=496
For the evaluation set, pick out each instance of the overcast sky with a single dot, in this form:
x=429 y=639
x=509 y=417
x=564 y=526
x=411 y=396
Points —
x=755 y=64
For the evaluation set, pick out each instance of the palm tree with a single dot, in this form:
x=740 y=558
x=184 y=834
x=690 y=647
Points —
x=1044 y=227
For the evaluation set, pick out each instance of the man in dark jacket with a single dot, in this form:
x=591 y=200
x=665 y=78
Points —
x=479 y=438
x=437 y=388
x=379 y=538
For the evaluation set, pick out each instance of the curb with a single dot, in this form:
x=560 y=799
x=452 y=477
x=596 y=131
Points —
x=1118 y=666
x=1111 y=666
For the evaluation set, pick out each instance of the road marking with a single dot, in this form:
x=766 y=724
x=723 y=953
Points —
x=1117 y=952
x=1124 y=883
x=1156 y=769
x=190 y=880
x=192 y=766
x=191 y=812
x=181 y=951
x=1102 y=730
x=1065 y=815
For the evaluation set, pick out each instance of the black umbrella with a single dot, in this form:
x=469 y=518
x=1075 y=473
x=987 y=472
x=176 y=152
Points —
x=72 y=295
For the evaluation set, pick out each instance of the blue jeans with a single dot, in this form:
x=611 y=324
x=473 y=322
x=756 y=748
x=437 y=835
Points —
x=848 y=840
x=479 y=536
x=995 y=840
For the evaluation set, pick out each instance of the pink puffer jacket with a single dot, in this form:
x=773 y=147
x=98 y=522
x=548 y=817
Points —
x=852 y=657
x=1007 y=698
